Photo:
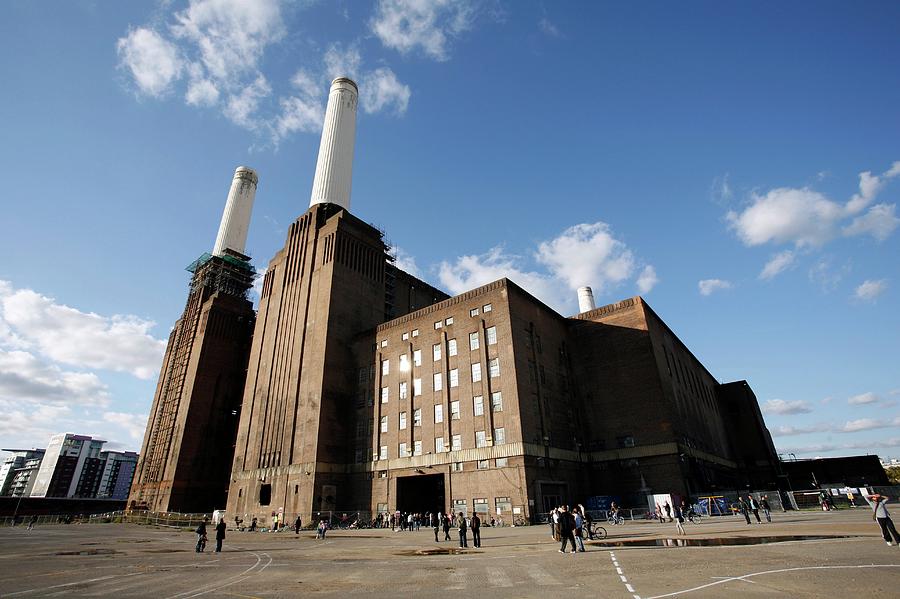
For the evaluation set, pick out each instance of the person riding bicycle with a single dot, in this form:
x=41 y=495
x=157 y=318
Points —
x=614 y=516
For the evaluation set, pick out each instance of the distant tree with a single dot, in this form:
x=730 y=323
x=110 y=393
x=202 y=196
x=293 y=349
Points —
x=893 y=475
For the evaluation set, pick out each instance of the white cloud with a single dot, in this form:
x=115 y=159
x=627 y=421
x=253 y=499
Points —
x=241 y=106
x=782 y=407
x=81 y=339
x=869 y=290
x=879 y=222
x=202 y=92
x=342 y=62
x=863 y=398
x=709 y=286
x=549 y=28
x=381 y=90
x=827 y=276
x=587 y=254
x=405 y=25
x=27 y=380
x=785 y=431
x=154 y=62
x=829 y=447
x=134 y=424
x=720 y=190
x=869 y=186
x=777 y=264
x=647 y=280
x=406 y=262
x=866 y=424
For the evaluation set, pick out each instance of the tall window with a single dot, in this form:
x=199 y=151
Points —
x=403 y=453
x=478 y=405
x=403 y=390
x=454 y=410
x=496 y=402
x=473 y=341
x=454 y=377
x=417 y=417
x=404 y=363
x=385 y=392
x=402 y=421
x=439 y=445
x=438 y=413
x=417 y=387
x=436 y=351
x=384 y=424
x=417 y=357
x=494 y=367
x=438 y=381
x=417 y=448
x=456 y=443
x=385 y=367
x=476 y=372
x=492 y=335
x=382 y=455
x=499 y=436
x=451 y=347
x=480 y=439
x=480 y=505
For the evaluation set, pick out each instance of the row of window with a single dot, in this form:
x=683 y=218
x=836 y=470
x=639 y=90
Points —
x=502 y=505
x=474 y=343
x=477 y=410
x=441 y=323
x=440 y=444
x=438 y=380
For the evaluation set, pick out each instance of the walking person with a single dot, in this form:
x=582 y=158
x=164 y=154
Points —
x=743 y=508
x=447 y=527
x=566 y=529
x=201 y=536
x=435 y=524
x=767 y=511
x=253 y=525
x=552 y=520
x=880 y=514
x=679 y=519
x=321 y=529
x=754 y=507
x=220 y=534
x=668 y=509
x=31 y=523
x=579 y=528
x=298 y=524
x=461 y=527
x=475 y=525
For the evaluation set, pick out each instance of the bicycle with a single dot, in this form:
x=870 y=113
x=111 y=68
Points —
x=595 y=531
x=615 y=519
x=694 y=518
x=518 y=521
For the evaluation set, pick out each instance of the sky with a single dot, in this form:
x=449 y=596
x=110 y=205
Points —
x=736 y=164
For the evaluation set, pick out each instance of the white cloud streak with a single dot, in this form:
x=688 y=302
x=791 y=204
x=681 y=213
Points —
x=784 y=408
x=777 y=264
x=710 y=286
x=647 y=280
x=428 y=25
x=863 y=399
x=153 y=61
x=869 y=290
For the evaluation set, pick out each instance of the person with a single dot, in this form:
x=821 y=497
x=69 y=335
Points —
x=767 y=511
x=31 y=523
x=201 y=536
x=320 y=530
x=475 y=525
x=881 y=515
x=220 y=534
x=850 y=499
x=668 y=509
x=435 y=525
x=566 y=529
x=679 y=519
x=588 y=524
x=274 y=522
x=237 y=523
x=461 y=527
x=754 y=507
x=447 y=527
x=253 y=525
x=553 y=521
x=555 y=526
x=743 y=508
x=659 y=515
x=298 y=524
x=579 y=528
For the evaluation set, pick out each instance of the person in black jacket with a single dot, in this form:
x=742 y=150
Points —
x=475 y=525
x=447 y=528
x=435 y=524
x=566 y=528
x=220 y=534
x=201 y=536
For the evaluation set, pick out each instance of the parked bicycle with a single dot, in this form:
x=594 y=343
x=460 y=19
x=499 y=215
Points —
x=595 y=531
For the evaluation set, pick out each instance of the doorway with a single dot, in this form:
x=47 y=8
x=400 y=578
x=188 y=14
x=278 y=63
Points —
x=421 y=493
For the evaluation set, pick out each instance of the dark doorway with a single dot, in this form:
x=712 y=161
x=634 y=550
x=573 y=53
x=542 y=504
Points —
x=421 y=493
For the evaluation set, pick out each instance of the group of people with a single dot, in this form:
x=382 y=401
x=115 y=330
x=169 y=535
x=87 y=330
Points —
x=751 y=504
x=569 y=527
x=201 y=535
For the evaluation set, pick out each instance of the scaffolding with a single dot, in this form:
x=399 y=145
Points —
x=231 y=274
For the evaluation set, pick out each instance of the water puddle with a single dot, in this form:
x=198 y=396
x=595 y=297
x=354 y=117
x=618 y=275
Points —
x=715 y=542
x=98 y=551
x=427 y=552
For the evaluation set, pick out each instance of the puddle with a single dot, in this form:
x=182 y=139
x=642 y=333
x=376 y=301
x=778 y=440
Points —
x=99 y=551
x=164 y=550
x=427 y=552
x=715 y=542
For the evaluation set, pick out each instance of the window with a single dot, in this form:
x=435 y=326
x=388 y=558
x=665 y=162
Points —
x=403 y=391
x=449 y=321
x=385 y=367
x=496 y=402
x=474 y=312
x=265 y=494
x=404 y=363
x=501 y=462
x=385 y=392
x=384 y=343
x=456 y=466
x=476 y=372
x=456 y=443
x=439 y=445
x=473 y=341
x=417 y=417
x=499 y=436
x=415 y=332
x=436 y=351
x=363 y=375
x=417 y=387
x=417 y=448
x=492 y=335
x=403 y=453
x=459 y=505
x=454 y=410
x=402 y=421
x=438 y=381
x=438 y=325
x=482 y=464
x=404 y=336
x=384 y=424
x=454 y=377
x=382 y=507
x=478 y=405
x=438 y=413
x=417 y=357
x=382 y=455
x=382 y=474
x=480 y=439
x=502 y=505
x=480 y=505
x=494 y=367
x=487 y=308
x=451 y=347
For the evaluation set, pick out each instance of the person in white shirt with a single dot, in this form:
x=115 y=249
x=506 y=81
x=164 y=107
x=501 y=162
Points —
x=881 y=515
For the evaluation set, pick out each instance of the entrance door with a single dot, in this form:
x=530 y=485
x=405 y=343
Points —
x=421 y=493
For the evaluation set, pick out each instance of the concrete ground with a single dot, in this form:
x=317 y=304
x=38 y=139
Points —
x=109 y=560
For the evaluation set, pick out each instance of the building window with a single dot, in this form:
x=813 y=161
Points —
x=459 y=505
x=385 y=393
x=454 y=377
x=456 y=443
x=417 y=387
x=384 y=343
x=417 y=357
x=417 y=417
x=480 y=439
x=382 y=455
x=473 y=341
x=438 y=413
x=451 y=347
x=402 y=421
x=363 y=375
x=415 y=332
x=492 y=335
x=384 y=424
x=403 y=390
x=265 y=494
x=436 y=351
x=454 y=410
x=449 y=321
x=456 y=466
x=385 y=367
x=502 y=505
x=439 y=445
x=417 y=448
x=480 y=505
x=403 y=453
x=476 y=372
x=487 y=308
x=438 y=381
x=482 y=464
x=474 y=312
x=499 y=436
x=438 y=325
x=478 y=405
x=382 y=508
x=404 y=363
x=501 y=462
x=404 y=336
x=382 y=474
x=494 y=367
x=497 y=402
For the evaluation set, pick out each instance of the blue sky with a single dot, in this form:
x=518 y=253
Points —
x=737 y=164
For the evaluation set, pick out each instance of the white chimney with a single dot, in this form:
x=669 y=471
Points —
x=334 y=168
x=585 y=299
x=236 y=217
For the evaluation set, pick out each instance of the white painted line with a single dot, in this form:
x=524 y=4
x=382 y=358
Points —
x=71 y=584
x=623 y=579
x=630 y=588
x=619 y=571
